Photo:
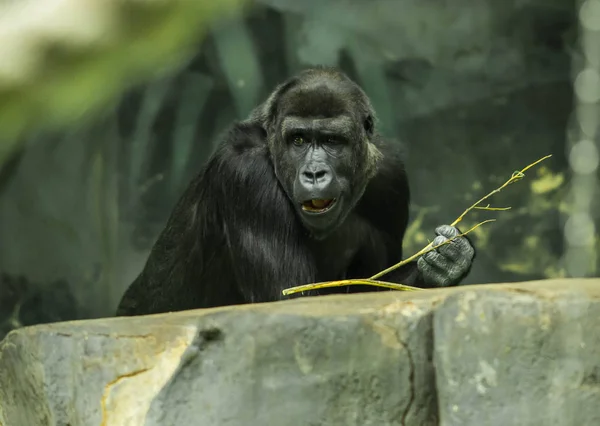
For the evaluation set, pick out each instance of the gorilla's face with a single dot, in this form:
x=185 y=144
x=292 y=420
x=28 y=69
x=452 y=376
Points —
x=321 y=149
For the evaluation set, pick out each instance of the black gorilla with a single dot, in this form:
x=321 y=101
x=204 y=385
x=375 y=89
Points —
x=302 y=191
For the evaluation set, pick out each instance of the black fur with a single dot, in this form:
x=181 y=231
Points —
x=235 y=235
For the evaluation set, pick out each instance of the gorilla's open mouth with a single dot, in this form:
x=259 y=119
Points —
x=318 y=206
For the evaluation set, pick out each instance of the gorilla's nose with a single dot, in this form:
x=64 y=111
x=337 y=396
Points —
x=315 y=177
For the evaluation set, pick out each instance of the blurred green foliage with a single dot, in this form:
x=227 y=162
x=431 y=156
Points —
x=67 y=74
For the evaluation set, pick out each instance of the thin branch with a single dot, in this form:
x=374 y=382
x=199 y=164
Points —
x=516 y=176
x=342 y=283
x=493 y=209
x=373 y=280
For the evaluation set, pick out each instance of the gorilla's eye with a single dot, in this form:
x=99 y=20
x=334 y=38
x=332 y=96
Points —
x=298 y=140
x=336 y=140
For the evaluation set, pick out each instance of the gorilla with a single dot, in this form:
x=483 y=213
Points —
x=303 y=190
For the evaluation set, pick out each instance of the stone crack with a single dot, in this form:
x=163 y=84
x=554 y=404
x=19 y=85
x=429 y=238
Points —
x=411 y=380
x=110 y=385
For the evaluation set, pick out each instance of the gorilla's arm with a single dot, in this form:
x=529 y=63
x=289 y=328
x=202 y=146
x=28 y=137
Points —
x=232 y=238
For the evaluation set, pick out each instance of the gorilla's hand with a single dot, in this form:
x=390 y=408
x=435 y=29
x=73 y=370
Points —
x=448 y=264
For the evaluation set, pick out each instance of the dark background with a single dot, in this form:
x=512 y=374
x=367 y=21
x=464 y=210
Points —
x=475 y=88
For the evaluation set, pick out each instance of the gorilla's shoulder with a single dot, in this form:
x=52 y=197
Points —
x=246 y=135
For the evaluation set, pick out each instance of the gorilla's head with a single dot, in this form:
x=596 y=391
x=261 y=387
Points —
x=320 y=128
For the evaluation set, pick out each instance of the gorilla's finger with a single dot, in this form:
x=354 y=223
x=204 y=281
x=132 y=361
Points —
x=458 y=249
x=438 y=240
x=452 y=251
x=433 y=275
x=453 y=263
x=447 y=231
x=438 y=262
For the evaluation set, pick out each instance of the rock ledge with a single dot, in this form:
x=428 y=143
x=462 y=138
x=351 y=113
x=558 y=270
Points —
x=503 y=354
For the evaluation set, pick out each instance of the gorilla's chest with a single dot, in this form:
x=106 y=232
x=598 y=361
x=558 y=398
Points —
x=335 y=255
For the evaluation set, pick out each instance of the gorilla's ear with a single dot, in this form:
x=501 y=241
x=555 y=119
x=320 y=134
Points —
x=261 y=114
x=368 y=125
x=266 y=113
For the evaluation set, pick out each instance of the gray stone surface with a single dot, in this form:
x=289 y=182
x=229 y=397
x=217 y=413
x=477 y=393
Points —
x=519 y=357
x=510 y=354
x=332 y=361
